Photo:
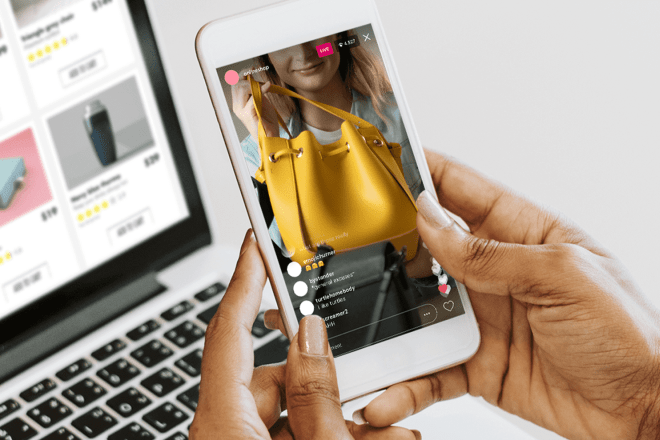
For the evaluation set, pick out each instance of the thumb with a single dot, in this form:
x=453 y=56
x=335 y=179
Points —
x=312 y=394
x=523 y=271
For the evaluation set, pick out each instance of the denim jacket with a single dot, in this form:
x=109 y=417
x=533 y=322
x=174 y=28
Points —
x=393 y=131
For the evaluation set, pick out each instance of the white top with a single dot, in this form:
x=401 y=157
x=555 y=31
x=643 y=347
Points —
x=324 y=137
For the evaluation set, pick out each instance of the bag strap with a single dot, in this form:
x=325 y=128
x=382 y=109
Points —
x=398 y=176
x=256 y=93
x=257 y=96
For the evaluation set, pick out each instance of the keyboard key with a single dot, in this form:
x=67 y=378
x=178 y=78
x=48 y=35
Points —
x=151 y=353
x=207 y=314
x=191 y=364
x=273 y=352
x=129 y=402
x=118 y=373
x=94 y=422
x=176 y=311
x=190 y=397
x=259 y=329
x=143 y=330
x=177 y=436
x=165 y=417
x=61 y=434
x=132 y=431
x=49 y=413
x=38 y=390
x=74 y=369
x=162 y=382
x=108 y=350
x=84 y=392
x=210 y=292
x=185 y=334
x=8 y=407
x=17 y=429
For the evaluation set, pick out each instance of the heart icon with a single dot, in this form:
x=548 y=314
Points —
x=443 y=279
x=448 y=306
x=444 y=289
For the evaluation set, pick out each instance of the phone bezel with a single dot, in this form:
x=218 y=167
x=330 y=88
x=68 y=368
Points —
x=404 y=357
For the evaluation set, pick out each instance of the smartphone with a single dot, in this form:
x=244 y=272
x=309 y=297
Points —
x=329 y=165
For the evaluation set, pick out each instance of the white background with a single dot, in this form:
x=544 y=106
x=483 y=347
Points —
x=558 y=99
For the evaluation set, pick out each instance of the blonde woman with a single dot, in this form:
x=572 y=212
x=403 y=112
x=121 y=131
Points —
x=353 y=80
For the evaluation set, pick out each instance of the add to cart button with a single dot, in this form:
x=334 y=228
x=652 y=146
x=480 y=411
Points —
x=82 y=68
x=130 y=226
x=26 y=283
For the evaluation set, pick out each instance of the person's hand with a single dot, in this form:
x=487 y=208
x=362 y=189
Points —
x=243 y=107
x=239 y=402
x=568 y=341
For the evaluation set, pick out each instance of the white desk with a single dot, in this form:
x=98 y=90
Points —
x=459 y=419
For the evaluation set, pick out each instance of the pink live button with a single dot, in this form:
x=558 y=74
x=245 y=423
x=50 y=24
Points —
x=324 y=49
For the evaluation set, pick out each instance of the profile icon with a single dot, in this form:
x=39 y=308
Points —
x=231 y=77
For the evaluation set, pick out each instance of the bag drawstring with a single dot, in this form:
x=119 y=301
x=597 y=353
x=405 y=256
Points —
x=274 y=157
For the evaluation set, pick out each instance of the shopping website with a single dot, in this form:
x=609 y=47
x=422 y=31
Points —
x=337 y=188
x=86 y=171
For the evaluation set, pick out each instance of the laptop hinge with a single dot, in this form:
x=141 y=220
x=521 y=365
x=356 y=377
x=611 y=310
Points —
x=60 y=331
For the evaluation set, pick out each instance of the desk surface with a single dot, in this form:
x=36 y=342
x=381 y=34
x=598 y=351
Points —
x=459 y=419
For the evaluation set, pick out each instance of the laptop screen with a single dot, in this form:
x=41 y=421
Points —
x=87 y=167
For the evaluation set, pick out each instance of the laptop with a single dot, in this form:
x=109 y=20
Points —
x=108 y=269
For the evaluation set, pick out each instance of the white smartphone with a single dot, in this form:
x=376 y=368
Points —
x=329 y=165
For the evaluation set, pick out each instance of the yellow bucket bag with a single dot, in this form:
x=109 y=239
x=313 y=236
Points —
x=345 y=195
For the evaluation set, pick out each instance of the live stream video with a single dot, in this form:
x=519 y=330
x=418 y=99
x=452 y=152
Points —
x=337 y=181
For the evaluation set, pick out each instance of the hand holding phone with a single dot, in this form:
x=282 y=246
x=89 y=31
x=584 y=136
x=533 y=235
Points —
x=568 y=340
x=238 y=402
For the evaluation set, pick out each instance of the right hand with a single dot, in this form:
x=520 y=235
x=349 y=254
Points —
x=568 y=341
x=243 y=107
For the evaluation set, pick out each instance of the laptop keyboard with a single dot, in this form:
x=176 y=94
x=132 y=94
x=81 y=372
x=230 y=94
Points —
x=149 y=375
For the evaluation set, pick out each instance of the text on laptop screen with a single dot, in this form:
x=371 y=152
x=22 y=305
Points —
x=86 y=172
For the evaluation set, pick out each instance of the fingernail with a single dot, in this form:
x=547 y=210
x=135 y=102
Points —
x=312 y=338
x=271 y=318
x=418 y=435
x=246 y=241
x=432 y=211
x=358 y=417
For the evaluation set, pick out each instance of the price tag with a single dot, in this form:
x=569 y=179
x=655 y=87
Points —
x=151 y=160
x=98 y=4
x=49 y=213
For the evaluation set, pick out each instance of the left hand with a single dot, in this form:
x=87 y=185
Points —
x=237 y=401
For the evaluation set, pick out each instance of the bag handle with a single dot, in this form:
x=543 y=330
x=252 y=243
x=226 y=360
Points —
x=256 y=93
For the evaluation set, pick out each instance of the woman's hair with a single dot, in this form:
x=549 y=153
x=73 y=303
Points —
x=359 y=69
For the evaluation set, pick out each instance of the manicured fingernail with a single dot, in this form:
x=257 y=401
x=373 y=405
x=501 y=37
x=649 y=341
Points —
x=432 y=211
x=271 y=319
x=358 y=417
x=312 y=338
x=246 y=241
x=418 y=435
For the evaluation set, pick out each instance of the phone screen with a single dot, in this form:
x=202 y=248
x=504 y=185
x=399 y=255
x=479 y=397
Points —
x=337 y=181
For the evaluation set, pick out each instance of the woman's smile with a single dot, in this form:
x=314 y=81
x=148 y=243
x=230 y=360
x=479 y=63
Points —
x=309 y=68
